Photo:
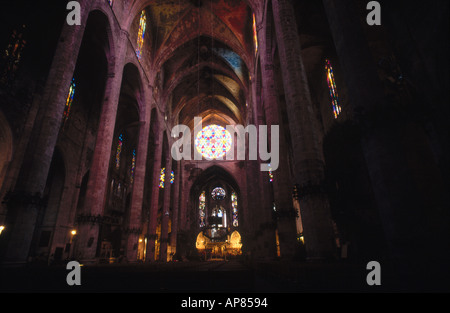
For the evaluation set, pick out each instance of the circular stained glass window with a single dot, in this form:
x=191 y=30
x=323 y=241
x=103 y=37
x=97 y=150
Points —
x=218 y=193
x=213 y=142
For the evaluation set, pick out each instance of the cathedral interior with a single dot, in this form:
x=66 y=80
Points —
x=87 y=170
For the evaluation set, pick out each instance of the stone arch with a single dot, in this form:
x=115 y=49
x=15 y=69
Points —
x=214 y=176
x=105 y=22
x=212 y=172
x=133 y=79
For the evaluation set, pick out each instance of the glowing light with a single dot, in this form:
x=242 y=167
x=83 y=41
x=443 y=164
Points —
x=213 y=142
x=141 y=34
x=333 y=90
x=2 y=228
x=73 y=232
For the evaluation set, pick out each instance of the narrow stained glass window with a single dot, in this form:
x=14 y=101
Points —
x=141 y=34
x=12 y=56
x=255 y=34
x=110 y=2
x=69 y=102
x=332 y=88
x=270 y=174
x=133 y=166
x=162 y=177
x=172 y=177
x=201 y=208
x=119 y=150
x=234 y=205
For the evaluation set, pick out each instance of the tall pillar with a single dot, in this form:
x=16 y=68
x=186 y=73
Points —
x=151 y=236
x=184 y=211
x=282 y=184
x=90 y=219
x=134 y=223
x=308 y=155
x=408 y=223
x=176 y=205
x=27 y=201
x=166 y=210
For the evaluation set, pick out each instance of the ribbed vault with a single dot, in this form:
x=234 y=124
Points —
x=202 y=51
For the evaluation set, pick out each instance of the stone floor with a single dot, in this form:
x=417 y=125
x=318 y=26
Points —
x=199 y=277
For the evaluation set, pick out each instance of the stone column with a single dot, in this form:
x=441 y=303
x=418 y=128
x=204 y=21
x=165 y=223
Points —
x=134 y=223
x=308 y=155
x=176 y=205
x=282 y=184
x=166 y=209
x=267 y=226
x=27 y=201
x=184 y=222
x=151 y=236
x=88 y=229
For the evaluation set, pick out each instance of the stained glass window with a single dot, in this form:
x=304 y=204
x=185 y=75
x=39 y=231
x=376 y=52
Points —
x=12 y=56
x=201 y=208
x=133 y=166
x=255 y=34
x=172 y=177
x=270 y=173
x=69 y=101
x=110 y=2
x=332 y=88
x=141 y=34
x=234 y=206
x=218 y=193
x=213 y=142
x=119 y=150
x=162 y=177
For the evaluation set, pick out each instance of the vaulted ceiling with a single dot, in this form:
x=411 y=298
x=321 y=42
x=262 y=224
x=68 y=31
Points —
x=202 y=50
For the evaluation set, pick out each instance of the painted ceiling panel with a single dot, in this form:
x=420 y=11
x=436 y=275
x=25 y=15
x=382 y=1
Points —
x=203 y=49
